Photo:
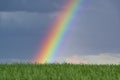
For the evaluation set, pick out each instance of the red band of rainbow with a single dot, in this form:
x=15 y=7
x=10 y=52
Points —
x=58 y=29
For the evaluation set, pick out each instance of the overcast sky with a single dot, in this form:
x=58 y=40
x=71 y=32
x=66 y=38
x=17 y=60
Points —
x=94 y=36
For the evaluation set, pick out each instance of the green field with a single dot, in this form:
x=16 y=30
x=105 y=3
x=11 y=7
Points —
x=59 y=72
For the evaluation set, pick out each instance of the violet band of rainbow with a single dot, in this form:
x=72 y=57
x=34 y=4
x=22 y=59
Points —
x=58 y=29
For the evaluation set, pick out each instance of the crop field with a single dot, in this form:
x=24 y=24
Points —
x=59 y=72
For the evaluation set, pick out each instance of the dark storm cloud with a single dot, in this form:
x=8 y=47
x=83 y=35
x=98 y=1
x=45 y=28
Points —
x=31 y=5
x=24 y=23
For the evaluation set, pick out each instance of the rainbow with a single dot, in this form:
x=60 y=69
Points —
x=58 y=29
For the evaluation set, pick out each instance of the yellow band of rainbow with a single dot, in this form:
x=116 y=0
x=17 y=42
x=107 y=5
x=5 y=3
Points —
x=57 y=31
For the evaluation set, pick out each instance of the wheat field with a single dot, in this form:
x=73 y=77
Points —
x=59 y=72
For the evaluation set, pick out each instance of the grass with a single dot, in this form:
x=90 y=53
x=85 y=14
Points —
x=59 y=72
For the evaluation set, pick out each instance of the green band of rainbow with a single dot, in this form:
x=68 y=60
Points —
x=57 y=32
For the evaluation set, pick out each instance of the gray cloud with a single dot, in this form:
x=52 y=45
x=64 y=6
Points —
x=24 y=23
x=102 y=58
x=31 y=5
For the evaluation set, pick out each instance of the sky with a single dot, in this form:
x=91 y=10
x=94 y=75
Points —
x=92 y=38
